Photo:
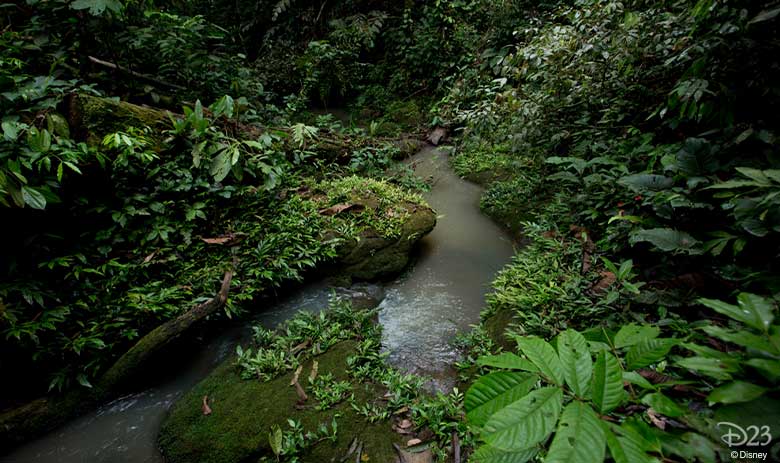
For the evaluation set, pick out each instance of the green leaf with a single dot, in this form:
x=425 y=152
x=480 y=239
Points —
x=607 y=385
x=11 y=130
x=753 y=310
x=642 y=183
x=221 y=165
x=663 y=405
x=735 y=392
x=741 y=338
x=579 y=437
x=72 y=167
x=506 y=360
x=765 y=15
x=770 y=369
x=275 y=440
x=668 y=240
x=489 y=454
x=625 y=449
x=632 y=333
x=637 y=380
x=494 y=391
x=576 y=361
x=97 y=7
x=33 y=197
x=648 y=351
x=543 y=356
x=39 y=140
x=713 y=367
x=525 y=422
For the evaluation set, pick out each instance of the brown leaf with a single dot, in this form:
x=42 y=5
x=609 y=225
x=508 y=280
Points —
x=315 y=366
x=653 y=376
x=300 y=346
x=149 y=257
x=607 y=280
x=413 y=442
x=405 y=424
x=206 y=409
x=656 y=419
x=222 y=239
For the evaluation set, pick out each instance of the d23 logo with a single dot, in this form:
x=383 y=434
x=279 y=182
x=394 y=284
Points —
x=751 y=436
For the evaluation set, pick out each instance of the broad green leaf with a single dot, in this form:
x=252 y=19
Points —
x=712 y=367
x=663 y=405
x=624 y=449
x=668 y=240
x=735 y=392
x=642 y=183
x=506 y=360
x=632 y=333
x=741 y=338
x=97 y=7
x=576 y=361
x=607 y=386
x=689 y=446
x=543 y=356
x=770 y=369
x=494 y=391
x=489 y=454
x=39 y=140
x=637 y=380
x=33 y=197
x=525 y=422
x=11 y=130
x=752 y=310
x=765 y=15
x=221 y=165
x=579 y=436
x=648 y=351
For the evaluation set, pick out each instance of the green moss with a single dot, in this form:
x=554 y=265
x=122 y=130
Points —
x=243 y=412
x=96 y=117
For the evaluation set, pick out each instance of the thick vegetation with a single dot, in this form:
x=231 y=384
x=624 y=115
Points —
x=149 y=148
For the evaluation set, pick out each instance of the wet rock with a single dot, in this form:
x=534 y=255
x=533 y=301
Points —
x=373 y=256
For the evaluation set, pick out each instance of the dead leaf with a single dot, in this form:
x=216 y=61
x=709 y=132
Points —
x=653 y=376
x=405 y=424
x=149 y=257
x=656 y=419
x=607 y=280
x=315 y=366
x=300 y=346
x=296 y=375
x=401 y=411
x=413 y=442
x=222 y=239
x=205 y=407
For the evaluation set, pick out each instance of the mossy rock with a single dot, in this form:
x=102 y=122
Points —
x=95 y=117
x=373 y=256
x=244 y=411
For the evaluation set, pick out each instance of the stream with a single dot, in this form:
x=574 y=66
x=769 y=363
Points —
x=421 y=313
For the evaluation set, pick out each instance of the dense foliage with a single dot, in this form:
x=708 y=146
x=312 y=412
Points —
x=632 y=144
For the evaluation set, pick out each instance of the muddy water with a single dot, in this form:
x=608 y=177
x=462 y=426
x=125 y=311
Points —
x=421 y=313
x=445 y=292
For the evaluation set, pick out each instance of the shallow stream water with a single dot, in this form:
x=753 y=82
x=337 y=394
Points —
x=421 y=313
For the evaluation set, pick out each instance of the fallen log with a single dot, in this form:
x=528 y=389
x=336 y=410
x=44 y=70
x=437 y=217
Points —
x=156 y=340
